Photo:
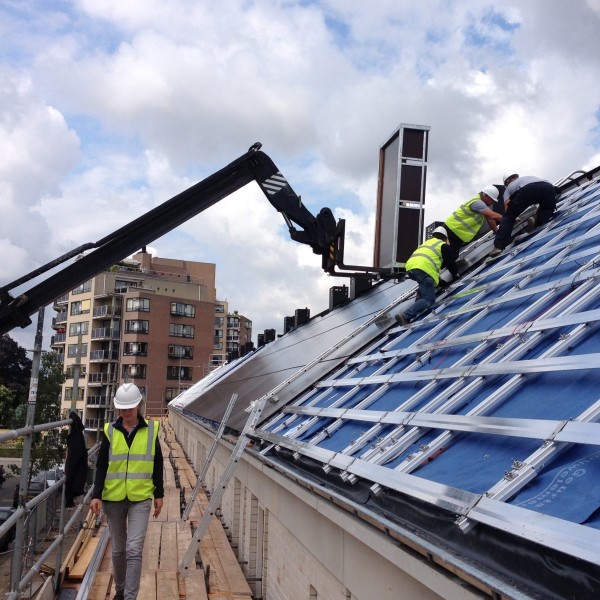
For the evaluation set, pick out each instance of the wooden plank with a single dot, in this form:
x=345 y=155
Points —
x=166 y=585
x=148 y=587
x=100 y=587
x=80 y=567
x=151 y=550
x=168 y=546
x=193 y=585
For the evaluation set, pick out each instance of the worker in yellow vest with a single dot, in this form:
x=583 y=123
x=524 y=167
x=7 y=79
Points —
x=466 y=221
x=424 y=266
x=129 y=473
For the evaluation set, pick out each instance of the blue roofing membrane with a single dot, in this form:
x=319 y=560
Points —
x=485 y=410
x=487 y=406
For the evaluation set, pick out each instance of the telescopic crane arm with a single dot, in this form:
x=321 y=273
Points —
x=321 y=233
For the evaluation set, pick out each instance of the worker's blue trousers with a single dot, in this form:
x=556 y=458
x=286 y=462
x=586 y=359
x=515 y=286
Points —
x=128 y=522
x=425 y=294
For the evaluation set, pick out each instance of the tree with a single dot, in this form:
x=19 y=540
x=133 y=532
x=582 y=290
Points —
x=15 y=373
x=49 y=447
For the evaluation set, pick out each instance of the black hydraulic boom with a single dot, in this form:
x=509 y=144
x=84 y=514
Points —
x=320 y=232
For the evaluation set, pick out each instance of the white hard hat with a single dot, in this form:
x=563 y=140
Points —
x=442 y=230
x=508 y=175
x=128 y=396
x=491 y=191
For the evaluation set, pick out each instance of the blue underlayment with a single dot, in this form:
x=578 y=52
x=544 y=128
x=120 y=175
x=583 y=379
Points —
x=568 y=486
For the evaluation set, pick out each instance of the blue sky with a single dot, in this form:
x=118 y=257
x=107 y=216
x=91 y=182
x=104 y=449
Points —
x=109 y=108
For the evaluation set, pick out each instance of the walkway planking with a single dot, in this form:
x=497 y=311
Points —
x=166 y=544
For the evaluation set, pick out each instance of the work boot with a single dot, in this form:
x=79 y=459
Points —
x=119 y=595
x=530 y=224
x=400 y=319
x=496 y=252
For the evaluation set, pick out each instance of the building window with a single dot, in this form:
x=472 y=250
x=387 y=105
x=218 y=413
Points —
x=86 y=286
x=121 y=285
x=138 y=305
x=180 y=309
x=177 y=330
x=219 y=321
x=233 y=322
x=72 y=350
x=181 y=351
x=171 y=393
x=216 y=360
x=135 y=349
x=81 y=307
x=69 y=371
x=137 y=326
x=77 y=328
x=179 y=373
x=134 y=371
x=219 y=308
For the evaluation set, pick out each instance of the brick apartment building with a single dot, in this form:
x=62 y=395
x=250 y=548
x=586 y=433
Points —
x=149 y=320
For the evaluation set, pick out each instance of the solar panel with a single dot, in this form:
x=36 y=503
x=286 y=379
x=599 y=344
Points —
x=485 y=409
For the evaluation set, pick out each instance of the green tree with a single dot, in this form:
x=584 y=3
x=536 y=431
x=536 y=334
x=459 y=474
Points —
x=7 y=407
x=15 y=373
x=49 y=447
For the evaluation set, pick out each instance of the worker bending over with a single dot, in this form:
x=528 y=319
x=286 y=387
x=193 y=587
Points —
x=424 y=266
x=520 y=193
x=466 y=221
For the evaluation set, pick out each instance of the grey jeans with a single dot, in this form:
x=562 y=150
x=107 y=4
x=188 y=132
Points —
x=127 y=522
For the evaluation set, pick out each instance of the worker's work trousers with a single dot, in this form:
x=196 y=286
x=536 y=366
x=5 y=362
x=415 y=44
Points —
x=128 y=522
x=541 y=193
x=425 y=294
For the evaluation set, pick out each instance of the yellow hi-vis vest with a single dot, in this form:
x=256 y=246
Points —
x=464 y=222
x=427 y=257
x=129 y=473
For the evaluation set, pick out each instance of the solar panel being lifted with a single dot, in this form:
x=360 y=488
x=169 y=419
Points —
x=477 y=424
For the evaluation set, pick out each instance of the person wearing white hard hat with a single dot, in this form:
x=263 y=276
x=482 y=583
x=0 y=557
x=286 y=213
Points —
x=129 y=474
x=424 y=266
x=520 y=193
x=467 y=220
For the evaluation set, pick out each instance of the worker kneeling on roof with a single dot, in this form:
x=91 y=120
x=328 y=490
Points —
x=424 y=266
x=129 y=473
x=466 y=221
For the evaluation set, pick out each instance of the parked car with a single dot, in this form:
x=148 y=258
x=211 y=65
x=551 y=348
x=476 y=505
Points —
x=9 y=536
x=54 y=474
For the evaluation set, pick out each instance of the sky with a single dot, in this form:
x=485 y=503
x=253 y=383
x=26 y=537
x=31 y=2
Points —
x=110 y=108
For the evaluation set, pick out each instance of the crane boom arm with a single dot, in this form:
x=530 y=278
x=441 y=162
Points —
x=319 y=232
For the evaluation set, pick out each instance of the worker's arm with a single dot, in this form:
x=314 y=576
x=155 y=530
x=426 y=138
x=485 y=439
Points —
x=449 y=260
x=492 y=217
x=101 y=468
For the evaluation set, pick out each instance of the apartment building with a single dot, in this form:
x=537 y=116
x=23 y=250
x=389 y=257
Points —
x=232 y=337
x=147 y=320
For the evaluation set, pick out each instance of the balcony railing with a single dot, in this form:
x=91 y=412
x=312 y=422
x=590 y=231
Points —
x=97 y=401
x=105 y=333
x=62 y=299
x=104 y=355
x=94 y=423
x=60 y=317
x=102 y=312
x=102 y=378
x=59 y=338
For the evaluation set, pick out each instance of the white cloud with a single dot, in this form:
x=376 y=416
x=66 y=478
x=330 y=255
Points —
x=109 y=108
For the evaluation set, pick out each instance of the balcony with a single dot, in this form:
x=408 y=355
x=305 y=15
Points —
x=104 y=355
x=103 y=312
x=59 y=338
x=60 y=318
x=101 y=378
x=97 y=401
x=105 y=333
x=94 y=424
x=64 y=299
